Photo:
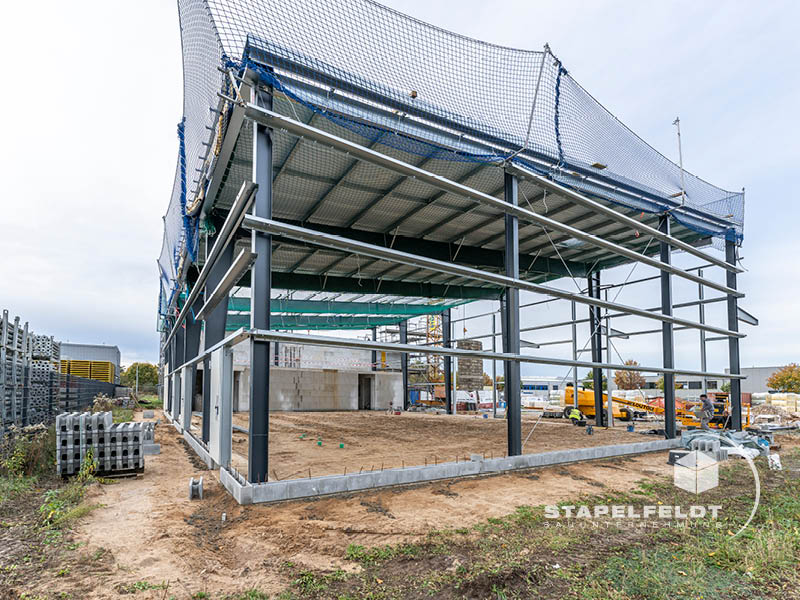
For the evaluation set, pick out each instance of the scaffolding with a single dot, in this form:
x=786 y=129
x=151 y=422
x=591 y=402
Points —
x=344 y=192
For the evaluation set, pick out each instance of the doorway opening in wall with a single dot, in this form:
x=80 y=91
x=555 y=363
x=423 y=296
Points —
x=365 y=392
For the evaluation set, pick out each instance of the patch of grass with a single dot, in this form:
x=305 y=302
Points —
x=253 y=595
x=523 y=554
x=12 y=486
x=121 y=415
x=149 y=401
x=140 y=586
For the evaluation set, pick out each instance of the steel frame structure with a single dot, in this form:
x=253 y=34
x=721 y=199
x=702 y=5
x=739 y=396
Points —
x=478 y=273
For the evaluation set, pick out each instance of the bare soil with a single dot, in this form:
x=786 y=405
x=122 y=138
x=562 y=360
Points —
x=149 y=534
x=333 y=443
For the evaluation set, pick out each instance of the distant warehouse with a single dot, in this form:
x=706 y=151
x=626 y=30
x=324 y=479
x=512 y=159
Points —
x=92 y=352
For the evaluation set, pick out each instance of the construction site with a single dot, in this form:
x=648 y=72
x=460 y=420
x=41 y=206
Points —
x=403 y=287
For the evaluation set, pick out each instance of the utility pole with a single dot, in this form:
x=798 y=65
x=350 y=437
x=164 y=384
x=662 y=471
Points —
x=137 y=378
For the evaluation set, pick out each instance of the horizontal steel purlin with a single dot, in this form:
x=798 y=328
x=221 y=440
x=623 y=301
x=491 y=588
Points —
x=340 y=243
x=319 y=340
x=224 y=237
x=278 y=121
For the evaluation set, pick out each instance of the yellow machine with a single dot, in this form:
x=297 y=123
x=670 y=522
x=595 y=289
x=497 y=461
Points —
x=625 y=410
x=586 y=404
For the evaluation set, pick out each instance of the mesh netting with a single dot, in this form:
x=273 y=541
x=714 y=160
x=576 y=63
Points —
x=398 y=82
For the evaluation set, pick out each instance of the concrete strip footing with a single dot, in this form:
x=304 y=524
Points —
x=292 y=489
x=199 y=450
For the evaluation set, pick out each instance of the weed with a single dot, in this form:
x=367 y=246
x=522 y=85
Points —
x=140 y=586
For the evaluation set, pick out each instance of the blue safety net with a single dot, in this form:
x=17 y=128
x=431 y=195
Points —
x=402 y=83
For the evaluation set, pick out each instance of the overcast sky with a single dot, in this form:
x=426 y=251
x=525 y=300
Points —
x=93 y=93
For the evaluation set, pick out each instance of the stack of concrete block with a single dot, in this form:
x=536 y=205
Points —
x=470 y=370
x=115 y=448
x=710 y=447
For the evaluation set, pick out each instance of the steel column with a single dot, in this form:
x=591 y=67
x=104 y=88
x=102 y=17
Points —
x=596 y=337
x=374 y=357
x=404 y=362
x=609 y=389
x=448 y=364
x=214 y=329
x=574 y=355
x=511 y=316
x=733 y=342
x=191 y=350
x=494 y=367
x=702 y=318
x=260 y=292
x=180 y=355
x=667 y=341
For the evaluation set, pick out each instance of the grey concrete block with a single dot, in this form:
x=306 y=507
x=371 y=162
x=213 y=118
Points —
x=148 y=414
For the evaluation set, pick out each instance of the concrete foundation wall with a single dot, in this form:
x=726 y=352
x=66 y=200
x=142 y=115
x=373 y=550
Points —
x=245 y=493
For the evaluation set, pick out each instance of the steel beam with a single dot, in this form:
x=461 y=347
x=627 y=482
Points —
x=464 y=254
x=404 y=362
x=667 y=339
x=596 y=338
x=329 y=283
x=343 y=342
x=348 y=245
x=512 y=323
x=574 y=354
x=215 y=323
x=448 y=374
x=260 y=291
x=192 y=349
x=240 y=264
x=315 y=322
x=224 y=237
x=360 y=152
x=702 y=319
x=600 y=208
x=334 y=307
x=733 y=343
x=374 y=356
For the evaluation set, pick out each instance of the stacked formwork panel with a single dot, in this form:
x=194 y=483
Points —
x=44 y=378
x=14 y=354
x=115 y=448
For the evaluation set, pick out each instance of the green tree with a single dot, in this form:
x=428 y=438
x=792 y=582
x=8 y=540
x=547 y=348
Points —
x=148 y=375
x=588 y=381
x=660 y=384
x=726 y=387
x=785 y=379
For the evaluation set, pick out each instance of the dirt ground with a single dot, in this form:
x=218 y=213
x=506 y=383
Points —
x=150 y=533
x=355 y=441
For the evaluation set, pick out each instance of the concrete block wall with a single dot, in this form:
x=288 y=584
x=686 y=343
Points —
x=321 y=389
x=388 y=391
x=312 y=389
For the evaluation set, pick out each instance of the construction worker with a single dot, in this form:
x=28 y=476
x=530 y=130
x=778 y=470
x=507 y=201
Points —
x=575 y=416
x=706 y=411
